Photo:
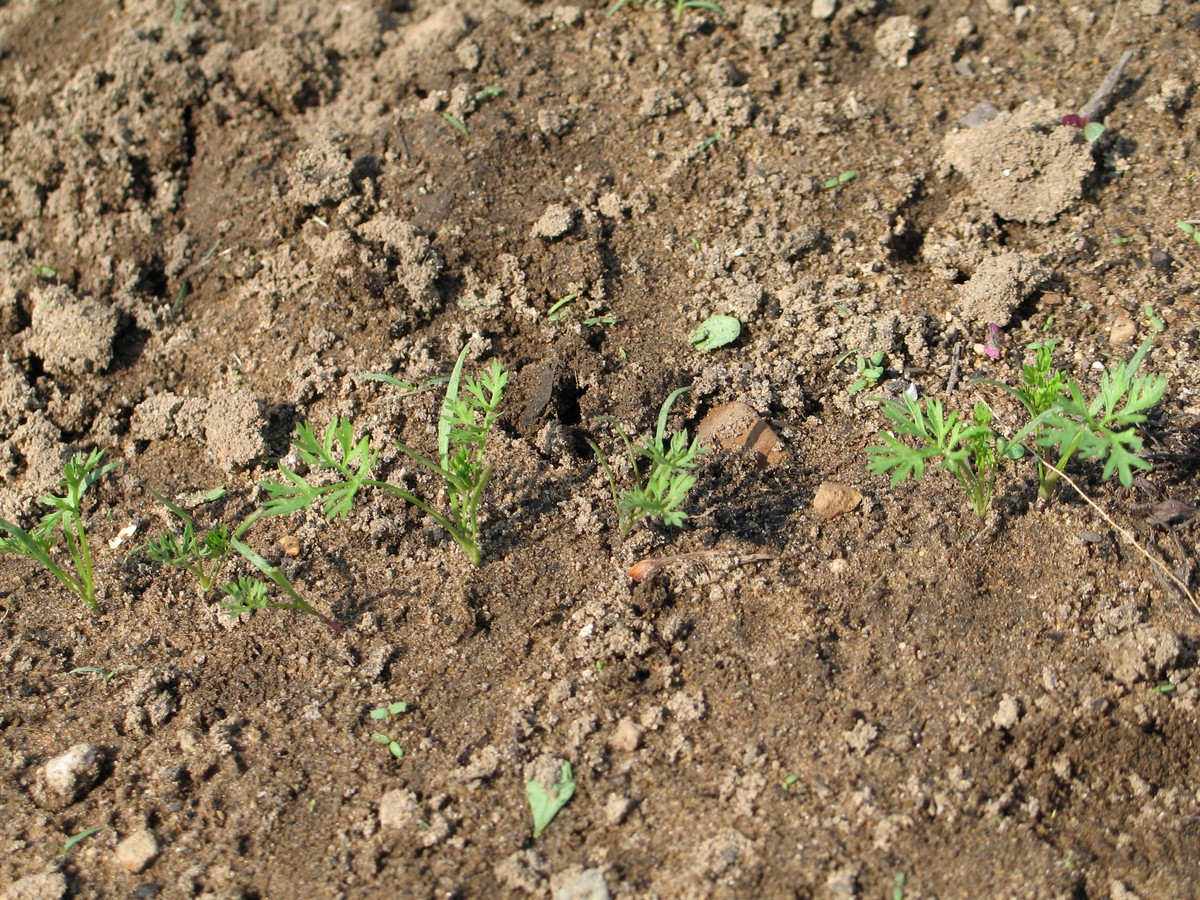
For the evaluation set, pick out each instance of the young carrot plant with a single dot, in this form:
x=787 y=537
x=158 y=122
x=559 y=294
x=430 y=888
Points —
x=65 y=520
x=203 y=556
x=466 y=419
x=970 y=450
x=668 y=472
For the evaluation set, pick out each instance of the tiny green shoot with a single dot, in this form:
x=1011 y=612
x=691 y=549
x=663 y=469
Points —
x=545 y=802
x=898 y=886
x=715 y=332
x=708 y=143
x=41 y=270
x=602 y=321
x=1189 y=228
x=668 y=472
x=696 y=245
x=74 y=839
x=248 y=595
x=559 y=309
x=382 y=714
x=65 y=520
x=1092 y=131
x=204 y=556
x=678 y=7
x=457 y=124
x=107 y=674
x=1163 y=688
x=786 y=784
x=839 y=180
x=489 y=93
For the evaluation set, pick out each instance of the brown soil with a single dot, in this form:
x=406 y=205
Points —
x=213 y=224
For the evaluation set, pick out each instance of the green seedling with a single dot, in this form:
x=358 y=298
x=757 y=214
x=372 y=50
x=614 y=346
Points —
x=1189 y=228
x=786 y=784
x=545 y=802
x=203 y=556
x=708 y=143
x=715 y=332
x=457 y=124
x=602 y=321
x=968 y=449
x=69 y=844
x=678 y=7
x=898 y=886
x=106 y=674
x=382 y=714
x=559 y=309
x=489 y=93
x=1064 y=423
x=668 y=472
x=869 y=369
x=1092 y=132
x=465 y=422
x=65 y=520
x=41 y=270
x=838 y=180
x=248 y=595
x=1163 y=689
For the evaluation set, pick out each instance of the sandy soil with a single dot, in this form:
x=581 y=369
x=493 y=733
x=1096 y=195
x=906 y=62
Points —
x=216 y=217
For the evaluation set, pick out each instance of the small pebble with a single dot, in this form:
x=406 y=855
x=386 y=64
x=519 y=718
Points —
x=824 y=9
x=616 y=809
x=290 y=545
x=554 y=223
x=626 y=738
x=137 y=851
x=1124 y=330
x=75 y=772
x=834 y=499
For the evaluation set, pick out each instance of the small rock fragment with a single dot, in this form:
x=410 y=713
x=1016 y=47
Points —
x=1008 y=714
x=842 y=884
x=823 y=9
x=762 y=27
x=554 y=223
x=71 y=775
x=1000 y=7
x=896 y=39
x=290 y=545
x=137 y=851
x=658 y=100
x=1146 y=653
x=626 y=738
x=586 y=885
x=617 y=808
x=234 y=429
x=833 y=499
x=1123 y=330
x=735 y=426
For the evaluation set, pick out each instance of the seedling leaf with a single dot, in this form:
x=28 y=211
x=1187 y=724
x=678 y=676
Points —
x=715 y=332
x=545 y=803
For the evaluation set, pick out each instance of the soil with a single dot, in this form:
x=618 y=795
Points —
x=216 y=218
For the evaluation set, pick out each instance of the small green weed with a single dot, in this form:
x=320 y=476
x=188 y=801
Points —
x=677 y=7
x=1189 y=228
x=107 y=674
x=707 y=144
x=250 y=594
x=839 y=180
x=545 y=802
x=457 y=124
x=466 y=421
x=715 y=332
x=203 y=556
x=869 y=369
x=69 y=844
x=65 y=520
x=382 y=714
x=668 y=473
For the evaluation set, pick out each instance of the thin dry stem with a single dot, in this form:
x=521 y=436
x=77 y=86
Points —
x=1129 y=537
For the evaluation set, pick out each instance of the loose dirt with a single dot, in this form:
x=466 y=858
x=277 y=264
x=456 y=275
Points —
x=216 y=218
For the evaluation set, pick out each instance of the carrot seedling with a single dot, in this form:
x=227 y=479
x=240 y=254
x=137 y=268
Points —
x=466 y=420
x=668 y=474
x=382 y=714
x=65 y=520
x=545 y=802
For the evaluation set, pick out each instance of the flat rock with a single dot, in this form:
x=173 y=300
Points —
x=834 y=499
x=735 y=426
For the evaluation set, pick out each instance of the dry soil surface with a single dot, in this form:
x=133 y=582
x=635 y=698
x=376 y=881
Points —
x=216 y=217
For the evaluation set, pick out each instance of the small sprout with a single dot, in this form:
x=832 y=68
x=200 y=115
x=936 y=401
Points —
x=250 y=594
x=457 y=124
x=381 y=714
x=489 y=92
x=715 y=332
x=559 y=309
x=839 y=180
x=602 y=321
x=66 y=521
x=202 y=555
x=545 y=802
x=870 y=371
x=74 y=839
x=787 y=783
x=312 y=805
x=1189 y=228
x=41 y=270
x=708 y=143
x=669 y=475
x=1092 y=132
x=898 y=886
x=105 y=673
x=994 y=343
x=1163 y=689
x=678 y=7
x=696 y=245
